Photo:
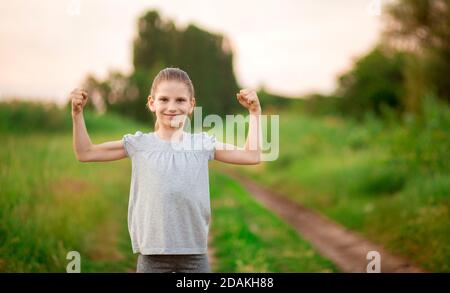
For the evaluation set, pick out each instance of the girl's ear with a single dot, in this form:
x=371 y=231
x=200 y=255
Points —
x=151 y=103
x=192 y=105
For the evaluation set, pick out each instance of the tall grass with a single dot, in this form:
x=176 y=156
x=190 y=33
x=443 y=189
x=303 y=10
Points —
x=249 y=238
x=388 y=179
x=51 y=204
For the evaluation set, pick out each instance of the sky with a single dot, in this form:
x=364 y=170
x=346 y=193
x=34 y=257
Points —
x=291 y=47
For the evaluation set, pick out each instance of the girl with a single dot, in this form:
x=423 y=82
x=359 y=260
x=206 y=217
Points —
x=169 y=205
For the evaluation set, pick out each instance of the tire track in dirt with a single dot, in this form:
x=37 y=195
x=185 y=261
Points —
x=346 y=248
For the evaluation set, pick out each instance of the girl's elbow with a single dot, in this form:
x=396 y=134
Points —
x=81 y=157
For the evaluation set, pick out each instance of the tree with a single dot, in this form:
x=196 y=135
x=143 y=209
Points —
x=206 y=57
x=375 y=82
x=422 y=27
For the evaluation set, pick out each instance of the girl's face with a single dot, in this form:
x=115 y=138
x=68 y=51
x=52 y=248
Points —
x=171 y=103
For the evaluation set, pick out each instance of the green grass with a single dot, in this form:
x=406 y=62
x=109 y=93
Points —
x=51 y=204
x=388 y=180
x=249 y=238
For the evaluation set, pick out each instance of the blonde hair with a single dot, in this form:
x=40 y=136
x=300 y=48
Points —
x=171 y=74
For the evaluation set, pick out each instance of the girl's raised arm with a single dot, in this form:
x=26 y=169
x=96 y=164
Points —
x=84 y=150
x=251 y=153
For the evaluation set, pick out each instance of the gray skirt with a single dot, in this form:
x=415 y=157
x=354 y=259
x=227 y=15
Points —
x=173 y=263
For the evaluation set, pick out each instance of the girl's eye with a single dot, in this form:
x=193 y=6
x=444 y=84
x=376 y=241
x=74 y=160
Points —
x=163 y=99
x=181 y=100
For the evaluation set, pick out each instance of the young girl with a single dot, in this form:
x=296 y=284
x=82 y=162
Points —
x=169 y=206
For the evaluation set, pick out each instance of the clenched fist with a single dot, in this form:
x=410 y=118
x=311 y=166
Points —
x=79 y=99
x=249 y=100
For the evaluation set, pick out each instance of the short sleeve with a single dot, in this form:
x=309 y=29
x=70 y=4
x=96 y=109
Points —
x=209 y=143
x=131 y=142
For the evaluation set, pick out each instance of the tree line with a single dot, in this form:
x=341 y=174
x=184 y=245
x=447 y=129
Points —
x=411 y=60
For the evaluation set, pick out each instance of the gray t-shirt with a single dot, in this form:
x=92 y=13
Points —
x=169 y=208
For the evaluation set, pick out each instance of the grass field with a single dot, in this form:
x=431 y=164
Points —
x=388 y=180
x=51 y=204
x=248 y=238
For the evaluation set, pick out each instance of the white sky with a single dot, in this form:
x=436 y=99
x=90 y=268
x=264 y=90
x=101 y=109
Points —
x=291 y=46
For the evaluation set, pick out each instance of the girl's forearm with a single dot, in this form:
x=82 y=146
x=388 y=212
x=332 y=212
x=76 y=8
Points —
x=81 y=140
x=253 y=143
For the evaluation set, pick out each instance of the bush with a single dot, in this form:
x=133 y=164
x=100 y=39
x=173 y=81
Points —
x=24 y=117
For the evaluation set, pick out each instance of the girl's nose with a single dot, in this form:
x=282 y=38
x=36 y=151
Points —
x=172 y=109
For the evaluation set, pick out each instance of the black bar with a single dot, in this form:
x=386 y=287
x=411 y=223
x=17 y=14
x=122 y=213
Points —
x=301 y=282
